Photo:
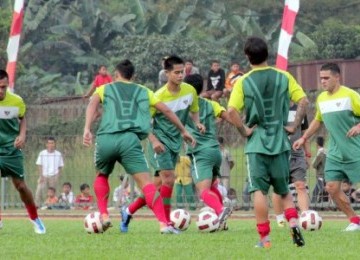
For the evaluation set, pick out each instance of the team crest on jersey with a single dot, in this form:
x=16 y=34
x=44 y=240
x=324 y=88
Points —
x=338 y=104
x=6 y=113
x=186 y=101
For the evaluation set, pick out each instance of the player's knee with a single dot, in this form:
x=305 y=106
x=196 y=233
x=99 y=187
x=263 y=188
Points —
x=332 y=188
x=300 y=186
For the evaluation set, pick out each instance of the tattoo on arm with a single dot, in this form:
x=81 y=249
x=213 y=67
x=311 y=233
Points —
x=300 y=112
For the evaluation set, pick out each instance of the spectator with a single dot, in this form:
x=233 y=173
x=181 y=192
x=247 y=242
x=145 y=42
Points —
x=233 y=200
x=122 y=193
x=50 y=163
x=100 y=79
x=227 y=164
x=348 y=189
x=223 y=191
x=184 y=183
x=189 y=68
x=231 y=77
x=51 y=200
x=66 y=199
x=215 y=82
x=162 y=74
x=84 y=200
x=319 y=165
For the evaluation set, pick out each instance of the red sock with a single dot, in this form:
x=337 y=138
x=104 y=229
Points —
x=32 y=211
x=218 y=194
x=137 y=204
x=291 y=213
x=166 y=192
x=155 y=202
x=102 y=190
x=355 y=220
x=263 y=229
x=212 y=200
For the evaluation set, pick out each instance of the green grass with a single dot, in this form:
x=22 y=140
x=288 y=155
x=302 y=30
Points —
x=66 y=239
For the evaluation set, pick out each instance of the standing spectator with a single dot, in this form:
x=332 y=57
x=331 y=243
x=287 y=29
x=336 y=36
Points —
x=184 y=183
x=319 y=165
x=162 y=74
x=12 y=139
x=338 y=108
x=189 y=68
x=66 y=198
x=51 y=199
x=227 y=163
x=50 y=163
x=215 y=82
x=265 y=94
x=231 y=78
x=122 y=193
x=100 y=79
x=84 y=200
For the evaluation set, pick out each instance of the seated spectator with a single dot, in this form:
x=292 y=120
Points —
x=233 y=201
x=189 y=68
x=231 y=78
x=348 y=189
x=84 y=200
x=51 y=199
x=215 y=82
x=122 y=193
x=66 y=199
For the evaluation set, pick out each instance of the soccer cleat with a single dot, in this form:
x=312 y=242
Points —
x=281 y=224
x=352 y=227
x=105 y=222
x=39 y=227
x=224 y=227
x=223 y=217
x=297 y=236
x=125 y=220
x=170 y=230
x=264 y=243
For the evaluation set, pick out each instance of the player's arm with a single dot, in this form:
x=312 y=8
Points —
x=195 y=117
x=355 y=103
x=299 y=116
x=89 y=118
x=176 y=121
x=313 y=128
x=20 y=139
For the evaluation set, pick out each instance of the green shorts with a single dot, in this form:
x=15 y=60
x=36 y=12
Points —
x=124 y=148
x=268 y=170
x=337 y=171
x=163 y=161
x=205 y=165
x=11 y=162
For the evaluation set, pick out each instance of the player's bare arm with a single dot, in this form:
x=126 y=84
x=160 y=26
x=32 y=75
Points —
x=235 y=120
x=354 y=131
x=313 y=128
x=176 y=121
x=299 y=116
x=89 y=118
x=195 y=117
x=20 y=139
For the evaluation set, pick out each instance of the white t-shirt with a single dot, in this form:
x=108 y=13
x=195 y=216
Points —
x=67 y=198
x=50 y=162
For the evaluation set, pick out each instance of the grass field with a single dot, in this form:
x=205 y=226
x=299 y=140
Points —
x=66 y=239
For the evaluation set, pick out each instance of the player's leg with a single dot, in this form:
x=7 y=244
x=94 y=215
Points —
x=278 y=209
x=102 y=191
x=298 y=169
x=168 y=179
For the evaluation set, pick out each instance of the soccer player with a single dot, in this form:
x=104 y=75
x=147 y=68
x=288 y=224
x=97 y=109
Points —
x=298 y=168
x=125 y=122
x=206 y=155
x=12 y=139
x=338 y=108
x=165 y=141
x=265 y=93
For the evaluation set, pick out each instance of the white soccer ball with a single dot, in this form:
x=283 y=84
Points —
x=207 y=208
x=207 y=221
x=310 y=220
x=92 y=223
x=180 y=218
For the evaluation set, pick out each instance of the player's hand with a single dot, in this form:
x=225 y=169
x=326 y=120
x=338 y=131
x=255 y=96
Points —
x=246 y=131
x=298 y=143
x=201 y=128
x=188 y=138
x=19 y=141
x=87 y=138
x=354 y=131
x=290 y=129
x=158 y=146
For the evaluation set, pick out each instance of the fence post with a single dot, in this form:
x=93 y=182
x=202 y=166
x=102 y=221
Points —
x=2 y=194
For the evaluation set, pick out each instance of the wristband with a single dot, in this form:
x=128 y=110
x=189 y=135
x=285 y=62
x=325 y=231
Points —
x=308 y=155
x=303 y=137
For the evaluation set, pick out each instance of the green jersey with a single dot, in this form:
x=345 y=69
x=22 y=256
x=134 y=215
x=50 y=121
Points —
x=11 y=109
x=265 y=93
x=126 y=108
x=339 y=112
x=181 y=103
x=208 y=112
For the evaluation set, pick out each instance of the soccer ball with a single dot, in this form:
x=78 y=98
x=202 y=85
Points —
x=310 y=220
x=92 y=223
x=180 y=218
x=207 y=221
x=207 y=208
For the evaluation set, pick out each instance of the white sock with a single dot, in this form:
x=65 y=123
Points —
x=127 y=211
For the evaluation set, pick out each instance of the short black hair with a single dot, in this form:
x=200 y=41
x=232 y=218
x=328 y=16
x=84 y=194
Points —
x=333 y=67
x=126 y=69
x=221 y=139
x=256 y=50
x=68 y=184
x=84 y=186
x=189 y=60
x=52 y=188
x=195 y=80
x=347 y=181
x=3 y=74
x=171 y=61
x=51 y=138
x=320 y=141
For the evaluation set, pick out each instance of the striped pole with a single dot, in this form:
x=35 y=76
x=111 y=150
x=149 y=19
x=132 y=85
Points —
x=287 y=29
x=14 y=41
